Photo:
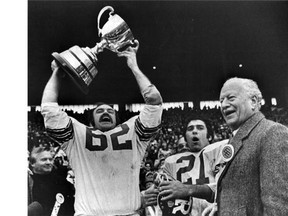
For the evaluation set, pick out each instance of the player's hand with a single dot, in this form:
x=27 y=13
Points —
x=210 y=210
x=172 y=189
x=54 y=66
x=130 y=54
x=150 y=196
x=56 y=69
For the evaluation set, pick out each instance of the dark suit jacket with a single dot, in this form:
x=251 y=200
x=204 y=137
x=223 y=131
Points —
x=43 y=190
x=255 y=181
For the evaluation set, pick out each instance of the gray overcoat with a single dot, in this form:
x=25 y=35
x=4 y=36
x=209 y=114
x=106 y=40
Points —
x=255 y=181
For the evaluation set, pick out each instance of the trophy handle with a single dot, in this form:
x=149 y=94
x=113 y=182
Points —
x=99 y=16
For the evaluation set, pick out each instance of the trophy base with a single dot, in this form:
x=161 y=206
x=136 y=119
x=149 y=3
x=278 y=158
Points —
x=79 y=65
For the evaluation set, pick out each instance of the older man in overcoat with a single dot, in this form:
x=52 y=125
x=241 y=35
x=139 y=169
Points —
x=255 y=181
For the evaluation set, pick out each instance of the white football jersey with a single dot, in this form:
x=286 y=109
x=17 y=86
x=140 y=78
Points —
x=213 y=157
x=196 y=168
x=106 y=164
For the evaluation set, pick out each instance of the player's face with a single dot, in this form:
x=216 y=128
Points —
x=196 y=135
x=104 y=117
x=236 y=105
x=43 y=163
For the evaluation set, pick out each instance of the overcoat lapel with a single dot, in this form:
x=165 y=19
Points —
x=237 y=140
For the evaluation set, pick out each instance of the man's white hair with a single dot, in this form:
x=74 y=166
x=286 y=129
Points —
x=251 y=88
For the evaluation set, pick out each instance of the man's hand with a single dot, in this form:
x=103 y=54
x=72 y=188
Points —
x=211 y=210
x=149 y=92
x=173 y=189
x=54 y=66
x=150 y=197
x=56 y=69
x=130 y=54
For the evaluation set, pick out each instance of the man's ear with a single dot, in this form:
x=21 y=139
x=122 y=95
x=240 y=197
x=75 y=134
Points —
x=254 y=102
x=32 y=165
x=210 y=138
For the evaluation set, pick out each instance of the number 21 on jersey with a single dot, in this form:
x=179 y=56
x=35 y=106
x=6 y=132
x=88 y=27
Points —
x=200 y=178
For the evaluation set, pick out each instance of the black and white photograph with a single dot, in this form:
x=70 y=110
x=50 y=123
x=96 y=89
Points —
x=155 y=108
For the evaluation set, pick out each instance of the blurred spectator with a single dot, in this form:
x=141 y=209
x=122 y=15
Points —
x=182 y=145
x=44 y=182
x=162 y=155
x=148 y=165
x=149 y=178
x=61 y=162
x=153 y=151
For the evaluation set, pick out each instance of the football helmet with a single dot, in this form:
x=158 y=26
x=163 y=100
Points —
x=175 y=207
x=172 y=207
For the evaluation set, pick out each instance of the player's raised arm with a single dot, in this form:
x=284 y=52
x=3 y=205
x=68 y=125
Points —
x=57 y=123
x=51 y=90
x=149 y=91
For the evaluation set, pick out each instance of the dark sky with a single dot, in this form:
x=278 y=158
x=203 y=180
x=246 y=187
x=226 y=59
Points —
x=194 y=45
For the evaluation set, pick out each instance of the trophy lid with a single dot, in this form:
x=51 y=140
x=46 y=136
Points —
x=113 y=23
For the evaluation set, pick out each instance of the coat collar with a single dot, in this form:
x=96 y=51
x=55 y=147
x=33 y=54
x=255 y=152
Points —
x=243 y=132
x=248 y=125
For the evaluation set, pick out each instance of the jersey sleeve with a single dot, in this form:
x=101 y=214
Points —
x=213 y=187
x=169 y=168
x=151 y=95
x=212 y=154
x=148 y=123
x=57 y=123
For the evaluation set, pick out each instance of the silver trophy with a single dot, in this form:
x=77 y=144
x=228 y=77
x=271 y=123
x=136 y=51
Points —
x=81 y=63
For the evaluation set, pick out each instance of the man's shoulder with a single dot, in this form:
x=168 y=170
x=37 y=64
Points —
x=270 y=125
x=59 y=177
x=130 y=122
x=215 y=145
x=272 y=130
x=131 y=119
x=175 y=157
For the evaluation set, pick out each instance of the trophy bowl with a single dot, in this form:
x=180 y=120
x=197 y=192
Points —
x=81 y=63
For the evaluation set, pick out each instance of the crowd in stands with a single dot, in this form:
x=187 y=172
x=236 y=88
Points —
x=163 y=145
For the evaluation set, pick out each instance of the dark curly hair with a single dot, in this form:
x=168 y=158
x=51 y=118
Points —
x=206 y=121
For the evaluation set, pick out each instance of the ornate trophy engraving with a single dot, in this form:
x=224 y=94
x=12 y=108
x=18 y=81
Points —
x=81 y=63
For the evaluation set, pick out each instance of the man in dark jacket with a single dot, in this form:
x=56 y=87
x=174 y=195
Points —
x=255 y=181
x=44 y=183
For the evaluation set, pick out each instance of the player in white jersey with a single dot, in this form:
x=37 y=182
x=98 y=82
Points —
x=191 y=174
x=215 y=158
x=105 y=158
